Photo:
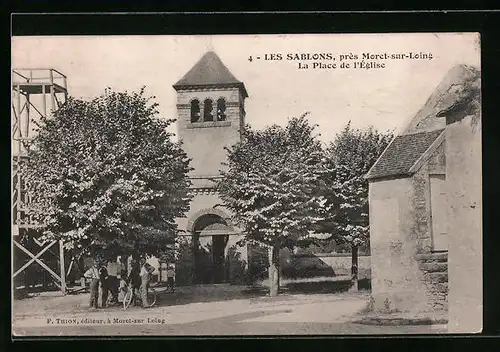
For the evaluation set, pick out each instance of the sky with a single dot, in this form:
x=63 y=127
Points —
x=386 y=98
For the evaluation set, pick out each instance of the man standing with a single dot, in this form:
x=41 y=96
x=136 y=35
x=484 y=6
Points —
x=146 y=271
x=112 y=281
x=134 y=278
x=103 y=277
x=170 y=278
x=93 y=275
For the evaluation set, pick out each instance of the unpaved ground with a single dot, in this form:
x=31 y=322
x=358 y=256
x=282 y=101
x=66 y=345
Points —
x=330 y=314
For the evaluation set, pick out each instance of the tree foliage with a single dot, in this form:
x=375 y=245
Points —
x=347 y=160
x=272 y=183
x=108 y=178
x=273 y=187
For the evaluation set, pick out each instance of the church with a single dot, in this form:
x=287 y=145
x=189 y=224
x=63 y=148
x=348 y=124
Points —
x=210 y=116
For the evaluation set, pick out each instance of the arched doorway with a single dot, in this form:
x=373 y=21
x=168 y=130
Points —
x=210 y=237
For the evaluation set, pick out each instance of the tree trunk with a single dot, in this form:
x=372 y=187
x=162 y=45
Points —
x=81 y=266
x=354 y=268
x=274 y=271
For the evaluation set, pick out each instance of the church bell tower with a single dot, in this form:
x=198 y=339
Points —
x=211 y=114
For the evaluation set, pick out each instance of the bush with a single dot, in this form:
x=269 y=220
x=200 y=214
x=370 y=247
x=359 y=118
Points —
x=237 y=272
x=258 y=264
x=184 y=269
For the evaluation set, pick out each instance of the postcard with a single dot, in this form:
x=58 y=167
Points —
x=201 y=185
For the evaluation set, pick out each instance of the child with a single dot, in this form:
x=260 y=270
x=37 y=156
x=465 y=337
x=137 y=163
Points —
x=123 y=286
x=93 y=275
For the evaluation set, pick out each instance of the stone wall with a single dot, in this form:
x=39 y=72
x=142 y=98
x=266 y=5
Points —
x=401 y=242
x=199 y=202
x=204 y=142
x=435 y=269
x=205 y=202
x=422 y=228
x=463 y=154
x=397 y=281
x=437 y=161
x=341 y=263
x=433 y=266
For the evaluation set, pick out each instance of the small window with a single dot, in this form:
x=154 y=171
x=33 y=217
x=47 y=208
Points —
x=207 y=111
x=195 y=111
x=221 y=109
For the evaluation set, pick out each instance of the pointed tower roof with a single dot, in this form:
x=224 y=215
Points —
x=209 y=71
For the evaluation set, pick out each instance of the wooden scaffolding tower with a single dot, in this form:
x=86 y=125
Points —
x=36 y=93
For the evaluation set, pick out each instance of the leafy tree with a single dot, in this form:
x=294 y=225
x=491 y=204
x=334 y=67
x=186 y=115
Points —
x=108 y=178
x=272 y=186
x=347 y=159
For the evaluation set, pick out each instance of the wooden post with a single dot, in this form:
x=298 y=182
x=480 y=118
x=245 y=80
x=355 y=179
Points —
x=72 y=281
x=27 y=122
x=44 y=92
x=52 y=91
x=18 y=112
x=61 y=262
x=274 y=271
x=354 y=269
x=52 y=99
x=160 y=268
x=18 y=158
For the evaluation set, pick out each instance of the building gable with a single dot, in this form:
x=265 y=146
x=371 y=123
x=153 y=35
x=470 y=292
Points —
x=402 y=154
x=408 y=151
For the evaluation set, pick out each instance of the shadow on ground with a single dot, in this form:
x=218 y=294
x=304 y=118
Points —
x=53 y=302
x=200 y=294
x=325 y=286
x=188 y=295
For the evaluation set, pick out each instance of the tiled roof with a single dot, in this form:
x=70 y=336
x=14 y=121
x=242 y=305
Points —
x=402 y=154
x=209 y=71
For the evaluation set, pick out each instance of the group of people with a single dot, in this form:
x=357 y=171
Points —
x=112 y=278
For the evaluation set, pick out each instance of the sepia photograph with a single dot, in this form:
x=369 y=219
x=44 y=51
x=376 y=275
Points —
x=229 y=185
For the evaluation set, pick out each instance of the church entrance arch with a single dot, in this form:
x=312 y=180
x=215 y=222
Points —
x=210 y=232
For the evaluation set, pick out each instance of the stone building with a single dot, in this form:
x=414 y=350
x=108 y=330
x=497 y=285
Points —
x=210 y=116
x=464 y=204
x=408 y=197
